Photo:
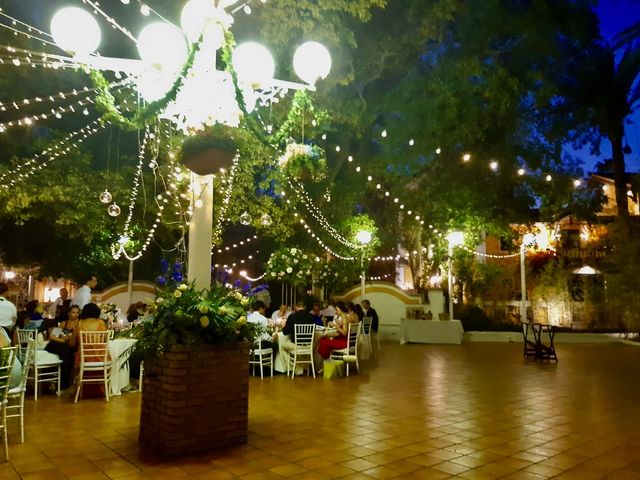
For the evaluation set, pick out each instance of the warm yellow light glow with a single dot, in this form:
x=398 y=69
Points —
x=75 y=30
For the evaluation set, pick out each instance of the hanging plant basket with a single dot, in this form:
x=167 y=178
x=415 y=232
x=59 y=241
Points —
x=210 y=150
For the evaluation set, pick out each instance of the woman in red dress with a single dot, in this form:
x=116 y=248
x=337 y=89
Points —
x=341 y=324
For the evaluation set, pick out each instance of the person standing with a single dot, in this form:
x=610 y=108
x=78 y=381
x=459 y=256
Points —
x=61 y=306
x=83 y=295
x=8 y=311
x=370 y=312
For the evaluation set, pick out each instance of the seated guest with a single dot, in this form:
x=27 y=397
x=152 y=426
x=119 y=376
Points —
x=317 y=316
x=341 y=323
x=299 y=317
x=31 y=318
x=135 y=310
x=279 y=317
x=358 y=309
x=16 y=371
x=257 y=317
x=89 y=321
x=63 y=344
x=370 y=312
x=353 y=314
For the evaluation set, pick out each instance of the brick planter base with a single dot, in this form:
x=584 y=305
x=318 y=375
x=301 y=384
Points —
x=195 y=400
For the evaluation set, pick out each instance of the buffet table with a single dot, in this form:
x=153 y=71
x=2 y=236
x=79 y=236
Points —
x=430 y=331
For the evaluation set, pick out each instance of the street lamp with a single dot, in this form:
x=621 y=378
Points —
x=455 y=239
x=527 y=240
x=364 y=237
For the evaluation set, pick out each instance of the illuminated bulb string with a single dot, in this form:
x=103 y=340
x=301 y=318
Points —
x=98 y=11
x=237 y=245
x=487 y=255
x=322 y=244
x=319 y=217
x=51 y=152
x=30 y=36
x=217 y=231
x=30 y=28
x=136 y=181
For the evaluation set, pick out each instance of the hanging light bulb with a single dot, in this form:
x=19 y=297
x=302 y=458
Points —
x=245 y=219
x=114 y=210
x=105 y=197
x=266 y=219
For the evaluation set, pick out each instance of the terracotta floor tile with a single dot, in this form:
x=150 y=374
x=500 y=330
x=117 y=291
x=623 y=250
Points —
x=415 y=411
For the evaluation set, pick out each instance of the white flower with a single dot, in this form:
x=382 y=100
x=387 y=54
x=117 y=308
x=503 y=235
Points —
x=295 y=260
x=177 y=294
x=281 y=274
x=182 y=287
x=289 y=269
x=304 y=257
x=159 y=300
x=294 y=250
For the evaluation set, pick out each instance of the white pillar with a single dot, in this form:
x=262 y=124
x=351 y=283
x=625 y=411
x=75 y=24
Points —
x=362 y=277
x=200 y=232
x=523 y=286
x=450 y=281
x=130 y=284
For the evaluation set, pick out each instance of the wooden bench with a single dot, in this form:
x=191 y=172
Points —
x=534 y=336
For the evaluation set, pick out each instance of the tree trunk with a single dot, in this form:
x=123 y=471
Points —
x=619 y=171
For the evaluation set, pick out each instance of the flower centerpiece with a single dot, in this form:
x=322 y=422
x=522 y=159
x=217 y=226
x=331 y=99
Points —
x=290 y=265
x=304 y=162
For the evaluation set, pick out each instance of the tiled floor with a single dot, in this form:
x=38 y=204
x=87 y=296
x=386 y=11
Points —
x=418 y=412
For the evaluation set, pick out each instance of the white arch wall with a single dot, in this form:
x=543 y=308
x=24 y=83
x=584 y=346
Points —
x=392 y=303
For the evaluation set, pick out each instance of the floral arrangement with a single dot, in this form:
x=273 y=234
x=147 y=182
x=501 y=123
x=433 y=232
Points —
x=290 y=265
x=108 y=312
x=182 y=315
x=304 y=162
x=334 y=274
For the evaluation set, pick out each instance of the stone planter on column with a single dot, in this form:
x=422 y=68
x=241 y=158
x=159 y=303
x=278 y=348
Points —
x=195 y=400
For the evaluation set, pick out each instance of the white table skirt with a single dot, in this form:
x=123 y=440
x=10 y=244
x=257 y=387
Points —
x=119 y=367
x=282 y=356
x=431 y=331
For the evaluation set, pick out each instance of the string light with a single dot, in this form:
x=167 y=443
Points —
x=488 y=255
x=322 y=244
x=136 y=181
x=59 y=149
x=98 y=11
x=222 y=219
x=318 y=216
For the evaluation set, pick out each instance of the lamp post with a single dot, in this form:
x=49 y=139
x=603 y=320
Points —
x=527 y=240
x=455 y=239
x=364 y=237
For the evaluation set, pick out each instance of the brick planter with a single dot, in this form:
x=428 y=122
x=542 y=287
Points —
x=195 y=400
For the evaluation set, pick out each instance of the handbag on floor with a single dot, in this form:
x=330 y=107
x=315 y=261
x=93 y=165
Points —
x=333 y=369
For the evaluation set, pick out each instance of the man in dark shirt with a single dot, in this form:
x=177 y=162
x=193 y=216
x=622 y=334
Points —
x=299 y=317
x=370 y=312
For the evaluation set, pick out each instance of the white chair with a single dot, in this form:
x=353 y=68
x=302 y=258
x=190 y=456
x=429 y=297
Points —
x=350 y=352
x=303 y=348
x=23 y=340
x=262 y=357
x=112 y=334
x=366 y=331
x=7 y=358
x=369 y=332
x=94 y=359
x=140 y=377
x=16 y=394
x=45 y=369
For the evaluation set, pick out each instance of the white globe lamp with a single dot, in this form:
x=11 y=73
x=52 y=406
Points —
x=364 y=237
x=311 y=62
x=194 y=17
x=154 y=85
x=162 y=46
x=75 y=30
x=253 y=63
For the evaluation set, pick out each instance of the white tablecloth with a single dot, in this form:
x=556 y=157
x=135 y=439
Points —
x=119 y=367
x=431 y=331
x=282 y=356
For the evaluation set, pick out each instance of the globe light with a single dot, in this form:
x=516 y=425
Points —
x=253 y=63
x=105 y=197
x=455 y=239
x=312 y=61
x=245 y=219
x=114 y=210
x=153 y=85
x=75 y=30
x=364 y=237
x=194 y=17
x=162 y=46
x=266 y=220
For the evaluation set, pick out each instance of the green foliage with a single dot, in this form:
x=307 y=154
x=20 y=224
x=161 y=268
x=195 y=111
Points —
x=185 y=316
x=623 y=281
x=304 y=162
x=218 y=137
x=290 y=265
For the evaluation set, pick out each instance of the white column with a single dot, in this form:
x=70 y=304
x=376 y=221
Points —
x=362 y=277
x=523 y=286
x=130 y=284
x=450 y=281
x=200 y=232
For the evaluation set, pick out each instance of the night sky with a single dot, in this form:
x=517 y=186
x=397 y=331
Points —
x=615 y=16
